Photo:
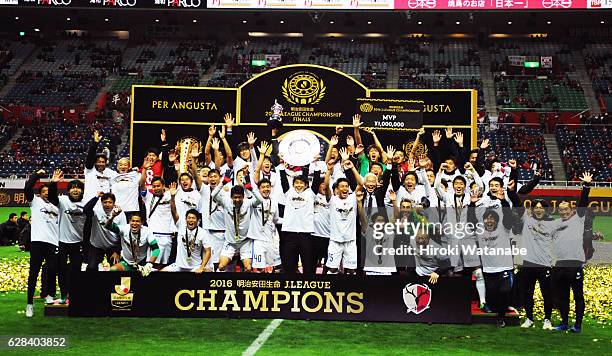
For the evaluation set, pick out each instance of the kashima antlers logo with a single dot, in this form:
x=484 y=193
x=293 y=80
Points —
x=417 y=298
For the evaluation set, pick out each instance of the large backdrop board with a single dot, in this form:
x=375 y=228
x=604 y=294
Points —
x=313 y=97
x=240 y=295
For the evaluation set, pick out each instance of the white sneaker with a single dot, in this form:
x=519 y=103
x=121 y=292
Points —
x=547 y=325
x=49 y=300
x=29 y=310
x=527 y=324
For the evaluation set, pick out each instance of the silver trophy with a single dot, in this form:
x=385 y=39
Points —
x=299 y=147
x=276 y=121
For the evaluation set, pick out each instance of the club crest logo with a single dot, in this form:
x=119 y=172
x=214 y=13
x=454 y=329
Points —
x=366 y=107
x=421 y=148
x=123 y=297
x=417 y=298
x=303 y=88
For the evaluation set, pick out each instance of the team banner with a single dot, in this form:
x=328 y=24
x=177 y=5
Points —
x=451 y=107
x=310 y=96
x=391 y=114
x=239 y=295
x=182 y=104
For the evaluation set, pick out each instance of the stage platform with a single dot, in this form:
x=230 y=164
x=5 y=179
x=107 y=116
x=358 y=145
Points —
x=478 y=316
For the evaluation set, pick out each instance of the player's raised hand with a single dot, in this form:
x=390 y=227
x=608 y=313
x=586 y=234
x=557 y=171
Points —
x=411 y=163
x=41 y=172
x=423 y=161
x=57 y=175
x=468 y=167
x=229 y=120
x=586 y=177
x=344 y=154
x=215 y=143
x=433 y=278
x=222 y=133
x=172 y=156
x=173 y=188
x=330 y=165
x=390 y=152
x=96 y=136
x=212 y=130
x=339 y=129
x=459 y=138
x=162 y=135
x=334 y=140
x=436 y=137
x=421 y=131
x=251 y=139
x=449 y=132
x=263 y=148
x=357 y=121
x=117 y=210
x=348 y=164
x=195 y=152
x=484 y=144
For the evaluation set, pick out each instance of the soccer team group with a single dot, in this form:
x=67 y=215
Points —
x=256 y=213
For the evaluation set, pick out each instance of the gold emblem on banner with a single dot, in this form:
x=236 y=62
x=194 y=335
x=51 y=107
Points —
x=4 y=198
x=303 y=88
x=122 y=298
x=366 y=107
x=420 y=150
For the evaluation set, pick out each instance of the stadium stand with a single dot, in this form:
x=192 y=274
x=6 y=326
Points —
x=440 y=65
x=78 y=55
x=586 y=148
x=12 y=55
x=55 y=88
x=524 y=144
x=364 y=61
x=54 y=143
x=541 y=94
x=560 y=52
x=234 y=62
x=180 y=63
x=431 y=58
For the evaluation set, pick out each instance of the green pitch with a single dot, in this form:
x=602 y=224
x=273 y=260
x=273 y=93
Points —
x=5 y=212
x=133 y=336
x=127 y=336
